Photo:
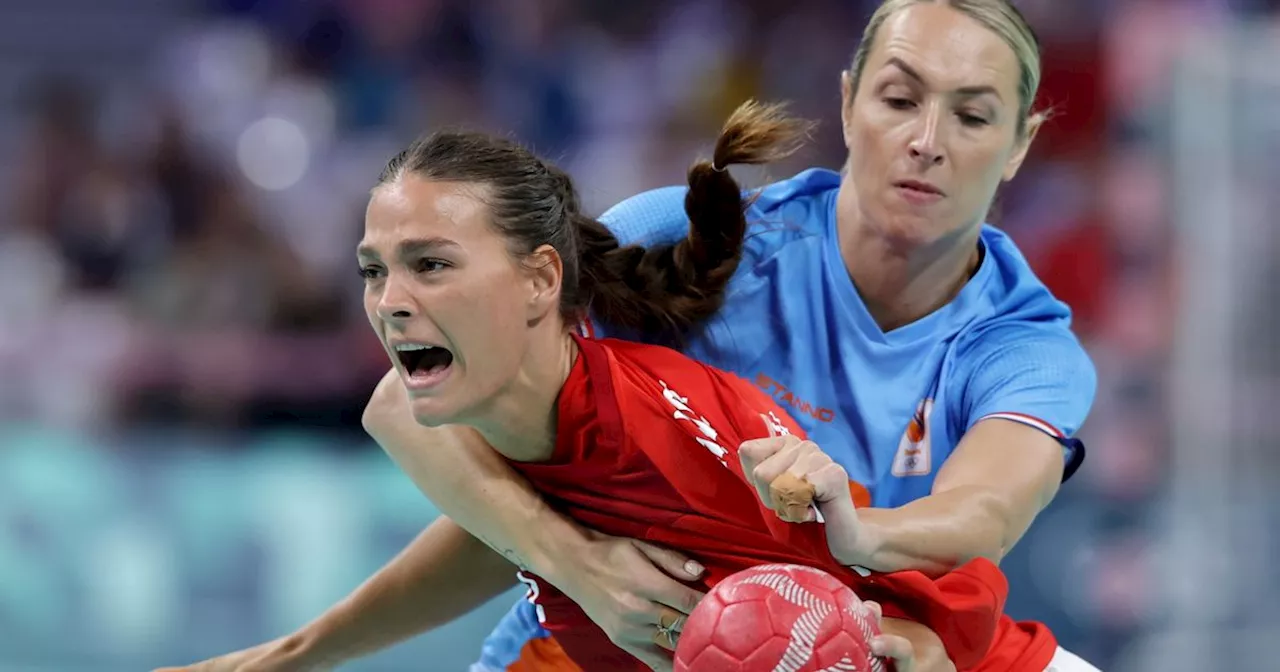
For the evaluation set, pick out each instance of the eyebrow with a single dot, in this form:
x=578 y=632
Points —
x=968 y=91
x=409 y=247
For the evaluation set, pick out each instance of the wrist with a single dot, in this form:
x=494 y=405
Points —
x=866 y=544
x=553 y=554
x=322 y=644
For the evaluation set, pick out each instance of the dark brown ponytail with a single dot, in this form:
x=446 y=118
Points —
x=661 y=292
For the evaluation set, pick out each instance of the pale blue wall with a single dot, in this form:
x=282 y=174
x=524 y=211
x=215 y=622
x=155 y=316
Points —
x=124 y=554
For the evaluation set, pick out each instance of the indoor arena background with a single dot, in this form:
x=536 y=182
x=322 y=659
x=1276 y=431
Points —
x=183 y=356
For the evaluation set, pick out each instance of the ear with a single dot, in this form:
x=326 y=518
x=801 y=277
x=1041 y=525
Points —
x=546 y=273
x=846 y=105
x=1024 y=145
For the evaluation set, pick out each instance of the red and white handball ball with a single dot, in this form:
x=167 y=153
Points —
x=779 y=618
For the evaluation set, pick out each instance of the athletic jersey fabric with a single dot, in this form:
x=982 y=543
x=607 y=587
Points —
x=647 y=449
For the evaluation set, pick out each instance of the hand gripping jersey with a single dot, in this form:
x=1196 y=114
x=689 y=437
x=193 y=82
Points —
x=647 y=448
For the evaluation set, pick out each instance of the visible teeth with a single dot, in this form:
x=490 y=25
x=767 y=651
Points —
x=409 y=347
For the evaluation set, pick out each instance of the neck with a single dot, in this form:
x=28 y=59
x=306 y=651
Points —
x=900 y=281
x=520 y=422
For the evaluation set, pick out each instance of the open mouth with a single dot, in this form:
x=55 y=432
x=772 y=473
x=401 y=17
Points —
x=423 y=362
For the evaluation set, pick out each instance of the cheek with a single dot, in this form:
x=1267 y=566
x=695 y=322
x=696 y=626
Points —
x=489 y=329
x=371 y=309
x=492 y=306
x=982 y=170
x=876 y=143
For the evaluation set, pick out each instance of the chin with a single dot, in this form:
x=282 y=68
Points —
x=431 y=412
x=909 y=230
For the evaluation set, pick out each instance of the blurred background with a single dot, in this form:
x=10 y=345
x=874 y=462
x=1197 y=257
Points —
x=183 y=357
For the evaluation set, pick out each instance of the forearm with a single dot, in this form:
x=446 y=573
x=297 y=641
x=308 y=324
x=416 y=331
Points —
x=444 y=573
x=471 y=484
x=986 y=496
x=934 y=534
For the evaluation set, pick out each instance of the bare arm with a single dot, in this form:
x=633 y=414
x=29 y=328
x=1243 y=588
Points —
x=620 y=583
x=984 y=499
x=441 y=575
x=616 y=581
x=446 y=571
x=467 y=480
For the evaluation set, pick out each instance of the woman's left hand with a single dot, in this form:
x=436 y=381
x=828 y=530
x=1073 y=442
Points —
x=911 y=647
x=802 y=483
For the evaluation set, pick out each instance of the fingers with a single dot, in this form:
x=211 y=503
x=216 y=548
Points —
x=683 y=599
x=875 y=611
x=662 y=590
x=651 y=635
x=831 y=491
x=797 y=458
x=898 y=649
x=637 y=602
x=659 y=587
x=755 y=451
x=792 y=496
x=802 y=484
x=667 y=631
x=790 y=474
x=764 y=460
x=671 y=562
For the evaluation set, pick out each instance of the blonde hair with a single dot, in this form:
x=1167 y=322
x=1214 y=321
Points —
x=998 y=16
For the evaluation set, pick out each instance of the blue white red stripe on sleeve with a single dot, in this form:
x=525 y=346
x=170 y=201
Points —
x=1073 y=449
x=1028 y=420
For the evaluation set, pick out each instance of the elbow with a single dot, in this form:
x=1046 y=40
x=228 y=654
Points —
x=999 y=522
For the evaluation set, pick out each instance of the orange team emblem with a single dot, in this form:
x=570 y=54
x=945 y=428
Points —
x=915 y=428
x=913 y=456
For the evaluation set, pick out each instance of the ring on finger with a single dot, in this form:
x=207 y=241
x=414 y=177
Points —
x=669 y=624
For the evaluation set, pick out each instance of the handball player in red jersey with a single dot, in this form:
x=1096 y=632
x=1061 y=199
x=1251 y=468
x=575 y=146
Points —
x=871 y=301
x=477 y=262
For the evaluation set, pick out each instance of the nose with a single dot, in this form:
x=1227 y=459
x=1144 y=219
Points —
x=396 y=303
x=926 y=147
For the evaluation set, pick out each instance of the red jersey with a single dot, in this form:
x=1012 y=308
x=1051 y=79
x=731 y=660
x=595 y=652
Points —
x=646 y=448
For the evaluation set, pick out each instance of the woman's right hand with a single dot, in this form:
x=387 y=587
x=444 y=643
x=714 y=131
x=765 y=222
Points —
x=630 y=589
x=281 y=655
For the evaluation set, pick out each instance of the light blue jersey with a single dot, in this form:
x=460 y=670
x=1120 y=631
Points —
x=889 y=407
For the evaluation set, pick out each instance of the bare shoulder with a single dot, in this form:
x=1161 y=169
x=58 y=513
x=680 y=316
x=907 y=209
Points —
x=388 y=420
x=389 y=402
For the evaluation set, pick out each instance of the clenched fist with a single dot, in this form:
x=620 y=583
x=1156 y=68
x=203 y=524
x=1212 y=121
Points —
x=801 y=483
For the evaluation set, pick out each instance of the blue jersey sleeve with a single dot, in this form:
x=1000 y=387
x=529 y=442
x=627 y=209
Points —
x=778 y=212
x=654 y=217
x=1039 y=375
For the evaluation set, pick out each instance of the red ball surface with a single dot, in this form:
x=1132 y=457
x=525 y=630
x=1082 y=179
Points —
x=778 y=618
